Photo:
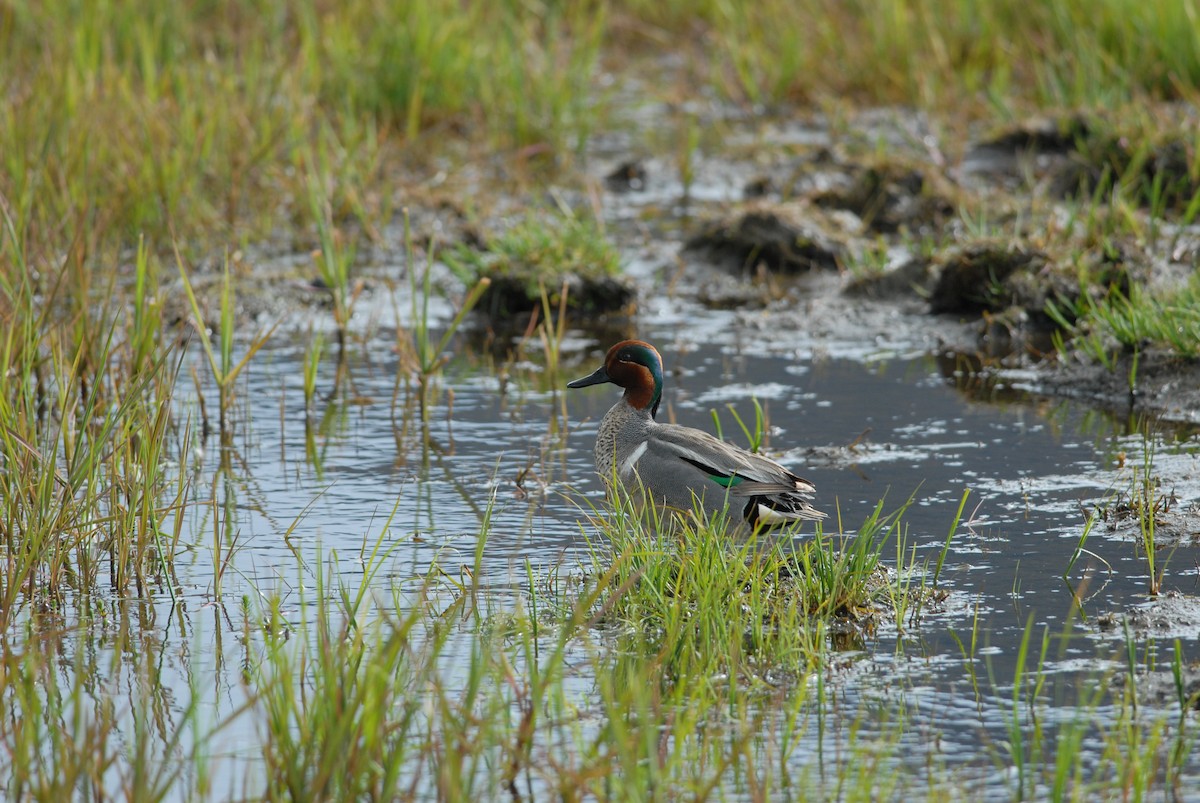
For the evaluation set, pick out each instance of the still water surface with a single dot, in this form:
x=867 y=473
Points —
x=861 y=423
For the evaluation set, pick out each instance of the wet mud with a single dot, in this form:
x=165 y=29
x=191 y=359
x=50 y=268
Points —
x=779 y=238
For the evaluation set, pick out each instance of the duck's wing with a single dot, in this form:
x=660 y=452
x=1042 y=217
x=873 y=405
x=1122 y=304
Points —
x=766 y=483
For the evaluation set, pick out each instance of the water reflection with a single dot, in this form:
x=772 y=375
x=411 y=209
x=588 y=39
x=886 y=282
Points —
x=366 y=470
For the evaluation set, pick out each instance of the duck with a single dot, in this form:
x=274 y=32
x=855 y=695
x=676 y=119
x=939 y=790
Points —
x=682 y=469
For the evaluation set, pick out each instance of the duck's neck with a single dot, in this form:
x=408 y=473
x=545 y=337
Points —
x=643 y=400
x=645 y=393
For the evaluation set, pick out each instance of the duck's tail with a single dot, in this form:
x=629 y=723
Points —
x=778 y=509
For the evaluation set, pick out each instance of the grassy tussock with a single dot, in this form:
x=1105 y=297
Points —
x=1137 y=321
x=752 y=608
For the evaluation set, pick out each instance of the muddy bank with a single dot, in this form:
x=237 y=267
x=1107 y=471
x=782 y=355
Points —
x=881 y=231
x=1001 y=290
x=1163 y=386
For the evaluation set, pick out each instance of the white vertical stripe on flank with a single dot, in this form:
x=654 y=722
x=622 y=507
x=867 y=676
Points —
x=634 y=456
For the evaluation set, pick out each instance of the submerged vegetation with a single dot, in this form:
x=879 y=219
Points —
x=148 y=148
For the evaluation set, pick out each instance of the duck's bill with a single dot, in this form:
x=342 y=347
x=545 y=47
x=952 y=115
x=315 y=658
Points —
x=599 y=377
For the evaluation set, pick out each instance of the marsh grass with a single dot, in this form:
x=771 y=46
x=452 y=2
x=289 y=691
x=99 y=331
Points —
x=1148 y=503
x=707 y=603
x=84 y=422
x=935 y=52
x=720 y=669
x=422 y=358
x=1079 y=551
x=68 y=736
x=1108 y=744
x=225 y=370
x=552 y=331
x=312 y=361
x=191 y=122
x=335 y=258
x=755 y=432
x=548 y=323
x=1132 y=323
x=1140 y=504
x=537 y=353
x=181 y=121
x=681 y=664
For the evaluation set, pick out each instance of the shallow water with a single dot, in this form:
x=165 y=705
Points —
x=863 y=418
x=860 y=422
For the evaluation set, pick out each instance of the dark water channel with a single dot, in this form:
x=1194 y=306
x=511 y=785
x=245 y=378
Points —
x=860 y=422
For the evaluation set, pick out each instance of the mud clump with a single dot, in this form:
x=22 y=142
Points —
x=1037 y=137
x=1160 y=688
x=1012 y=287
x=759 y=187
x=1165 y=386
x=913 y=276
x=629 y=176
x=987 y=278
x=1160 y=174
x=1171 y=614
x=889 y=198
x=545 y=259
x=510 y=298
x=781 y=238
x=1174 y=524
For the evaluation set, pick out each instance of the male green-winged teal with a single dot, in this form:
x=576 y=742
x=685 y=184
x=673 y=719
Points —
x=680 y=466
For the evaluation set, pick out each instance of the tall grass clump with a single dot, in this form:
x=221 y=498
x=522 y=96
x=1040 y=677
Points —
x=378 y=716
x=1129 y=324
x=85 y=421
x=539 y=256
x=1142 y=318
x=706 y=602
x=338 y=713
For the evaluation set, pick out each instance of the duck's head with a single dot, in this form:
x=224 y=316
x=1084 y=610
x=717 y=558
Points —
x=635 y=366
